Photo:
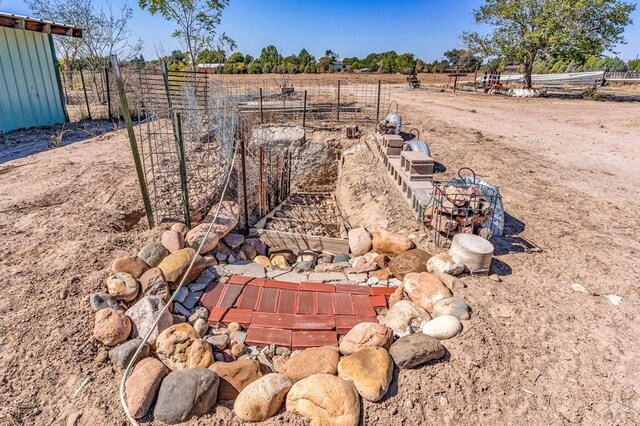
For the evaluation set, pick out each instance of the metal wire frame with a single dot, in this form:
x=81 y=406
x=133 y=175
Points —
x=459 y=206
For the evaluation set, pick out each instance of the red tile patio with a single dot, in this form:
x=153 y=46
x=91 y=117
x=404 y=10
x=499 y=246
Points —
x=293 y=315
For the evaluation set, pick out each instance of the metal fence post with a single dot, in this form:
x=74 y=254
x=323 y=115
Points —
x=378 y=103
x=132 y=141
x=261 y=112
x=245 y=201
x=338 y=113
x=177 y=128
x=261 y=181
x=106 y=79
x=84 y=89
x=304 y=111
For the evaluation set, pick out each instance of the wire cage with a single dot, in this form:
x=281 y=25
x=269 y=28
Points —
x=463 y=204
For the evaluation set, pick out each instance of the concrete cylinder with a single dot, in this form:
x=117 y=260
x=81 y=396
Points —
x=472 y=250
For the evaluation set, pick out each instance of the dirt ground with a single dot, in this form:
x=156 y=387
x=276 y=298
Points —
x=534 y=352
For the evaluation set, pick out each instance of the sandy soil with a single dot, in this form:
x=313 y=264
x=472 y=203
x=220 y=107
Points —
x=534 y=352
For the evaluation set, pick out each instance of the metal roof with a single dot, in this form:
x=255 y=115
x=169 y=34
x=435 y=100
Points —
x=38 y=25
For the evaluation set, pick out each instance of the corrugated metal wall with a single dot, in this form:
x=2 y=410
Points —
x=29 y=88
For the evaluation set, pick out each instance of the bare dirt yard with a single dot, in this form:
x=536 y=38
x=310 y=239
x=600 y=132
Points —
x=534 y=352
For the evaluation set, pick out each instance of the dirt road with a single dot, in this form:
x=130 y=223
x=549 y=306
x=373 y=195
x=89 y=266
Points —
x=535 y=351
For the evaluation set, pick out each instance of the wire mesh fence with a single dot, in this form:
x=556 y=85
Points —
x=86 y=93
x=185 y=126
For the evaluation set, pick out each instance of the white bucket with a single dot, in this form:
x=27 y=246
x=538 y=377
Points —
x=472 y=250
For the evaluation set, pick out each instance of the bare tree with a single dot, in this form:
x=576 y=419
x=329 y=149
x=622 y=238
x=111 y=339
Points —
x=197 y=22
x=111 y=35
x=78 y=13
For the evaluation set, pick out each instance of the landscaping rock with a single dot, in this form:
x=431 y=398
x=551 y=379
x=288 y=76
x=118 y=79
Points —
x=361 y=268
x=122 y=286
x=122 y=354
x=238 y=349
x=153 y=283
x=192 y=299
x=186 y=393
x=325 y=400
x=414 y=260
x=235 y=376
x=341 y=257
x=200 y=312
x=289 y=256
x=234 y=326
x=325 y=258
x=179 y=347
x=174 y=265
x=153 y=253
x=310 y=361
x=453 y=306
x=144 y=313
x=219 y=341
x=370 y=370
x=131 y=265
x=181 y=311
x=249 y=252
x=405 y=317
x=382 y=260
x=234 y=240
x=359 y=241
x=385 y=242
x=279 y=261
x=453 y=283
x=307 y=256
x=198 y=234
x=102 y=301
x=198 y=267
x=172 y=241
x=443 y=327
x=415 y=349
x=111 y=326
x=327 y=277
x=238 y=336
x=180 y=228
x=445 y=264
x=332 y=267
x=262 y=398
x=263 y=261
x=381 y=274
x=259 y=246
x=201 y=327
x=141 y=387
x=425 y=289
x=303 y=266
x=366 y=335
x=247 y=269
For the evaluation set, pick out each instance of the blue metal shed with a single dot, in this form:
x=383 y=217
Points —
x=30 y=89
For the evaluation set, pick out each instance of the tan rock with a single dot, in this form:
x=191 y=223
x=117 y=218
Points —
x=227 y=218
x=414 y=260
x=359 y=241
x=152 y=253
x=382 y=260
x=381 y=274
x=172 y=241
x=199 y=265
x=111 y=326
x=174 y=265
x=370 y=370
x=397 y=296
x=453 y=283
x=131 y=265
x=234 y=326
x=179 y=347
x=279 y=262
x=153 y=283
x=389 y=243
x=325 y=400
x=122 y=286
x=198 y=234
x=405 y=317
x=365 y=335
x=141 y=387
x=312 y=361
x=425 y=289
x=289 y=255
x=262 y=260
x=180 y=228
x=262 y=398
x=235 y=376
x=445 y=264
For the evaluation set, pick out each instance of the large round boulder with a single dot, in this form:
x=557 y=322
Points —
x=144 y=314
x=389 y=243
x=179 y=347
x=366 y=335
x=262 y=398
x=414 y=260
x=235 y=376
x=141 y=387
x=186 y=393
x=405 y=317
x=370 y=370
x=325 y=400
x=111 y=326
x=310 y=361
x=415 y=349
x=425 y=289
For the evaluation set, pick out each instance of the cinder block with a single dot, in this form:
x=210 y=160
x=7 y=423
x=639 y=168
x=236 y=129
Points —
x=394 y=152
x=394 y=141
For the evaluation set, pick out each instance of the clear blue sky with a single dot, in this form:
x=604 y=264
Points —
x=349 y=27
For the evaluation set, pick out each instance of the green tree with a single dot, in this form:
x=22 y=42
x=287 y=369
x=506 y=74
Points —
x=405 y=63
x=197 y=22
x=305 y=58
x=269 y=58
x=248 y=59
x=208 y=56
x=324 y=64
x=236 y=58
x=523 y=30
x=254 y=68
x=634 y=65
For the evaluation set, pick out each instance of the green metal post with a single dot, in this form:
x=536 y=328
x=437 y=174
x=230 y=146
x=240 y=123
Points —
x=84 y=89
x=177 y=128
x=132 y=140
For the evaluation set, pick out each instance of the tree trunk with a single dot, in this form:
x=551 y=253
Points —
x=528 y=70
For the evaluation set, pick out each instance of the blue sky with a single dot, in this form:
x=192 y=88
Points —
x=349 y=27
